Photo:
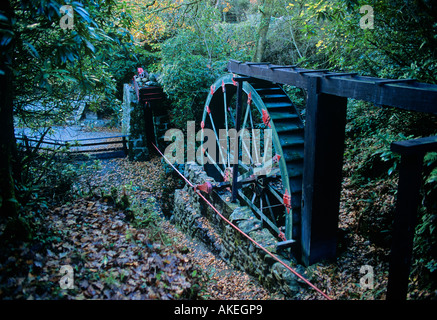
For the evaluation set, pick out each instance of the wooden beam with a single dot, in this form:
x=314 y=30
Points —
x=409 y=95
x=323 y=160
x=416 y=146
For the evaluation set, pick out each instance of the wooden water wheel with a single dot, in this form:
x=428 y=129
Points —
x=269 y=182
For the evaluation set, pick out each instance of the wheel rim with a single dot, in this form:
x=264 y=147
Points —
x=273 y=195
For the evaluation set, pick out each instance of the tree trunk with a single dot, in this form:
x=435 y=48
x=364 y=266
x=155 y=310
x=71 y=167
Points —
x=8 y=203
x=263 y=28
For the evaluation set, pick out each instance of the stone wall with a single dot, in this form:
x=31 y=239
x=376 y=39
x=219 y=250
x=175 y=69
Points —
x=126 y=108
x=133 y=124
x=197 y=219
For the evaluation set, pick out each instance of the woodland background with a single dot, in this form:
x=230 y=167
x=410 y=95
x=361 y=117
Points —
x=187 y=44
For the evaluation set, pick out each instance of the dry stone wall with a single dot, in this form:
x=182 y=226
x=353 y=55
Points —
x=133 y=124
x=197 y=219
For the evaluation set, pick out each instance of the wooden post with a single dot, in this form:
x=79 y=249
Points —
x=408 y=196
x=407 y=203
x=408 y=199
x=324 y=146
x=124 y=145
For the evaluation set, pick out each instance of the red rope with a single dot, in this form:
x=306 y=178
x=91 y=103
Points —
x=243 y=233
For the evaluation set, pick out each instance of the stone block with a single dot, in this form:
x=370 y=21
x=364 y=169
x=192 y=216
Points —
x=240 y=213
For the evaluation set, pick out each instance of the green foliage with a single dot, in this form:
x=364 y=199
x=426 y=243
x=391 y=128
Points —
x=43 y=178
x=400 y=45
x=196 y=56
x=430 y=161
x=147 y=214
x=425 y=241
x=186 y=81
x=54 y=67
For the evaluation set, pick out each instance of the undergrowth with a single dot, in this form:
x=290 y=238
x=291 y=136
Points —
x=371 y=179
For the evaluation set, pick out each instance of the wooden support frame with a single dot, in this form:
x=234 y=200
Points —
x=407 y=94
x=323 y=160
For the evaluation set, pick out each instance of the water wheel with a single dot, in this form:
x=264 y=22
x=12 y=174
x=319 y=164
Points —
x=275 y=194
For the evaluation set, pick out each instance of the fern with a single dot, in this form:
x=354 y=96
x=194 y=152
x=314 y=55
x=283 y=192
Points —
x=430 y=158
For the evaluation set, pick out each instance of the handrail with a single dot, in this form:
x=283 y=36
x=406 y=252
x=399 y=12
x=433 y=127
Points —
x=75 y=144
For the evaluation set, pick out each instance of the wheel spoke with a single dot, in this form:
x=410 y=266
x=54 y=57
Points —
x=261 y=208
x=226 y=124
x=243 y=130
x=267 y=145
x=215 y=163
x=231 y=116
x=275 y=192
x=270 y=207
x=253 y=135
x=217 y=138
x=256 y=209
x=245 y=175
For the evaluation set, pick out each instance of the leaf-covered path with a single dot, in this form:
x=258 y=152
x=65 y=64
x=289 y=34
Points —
x=119 y=246
x=152 y=188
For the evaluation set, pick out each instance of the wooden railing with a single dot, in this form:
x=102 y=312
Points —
x=78 y=146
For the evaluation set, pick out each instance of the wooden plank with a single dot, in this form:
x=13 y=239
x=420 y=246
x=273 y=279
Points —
x=43 y=142
x=96 y=150
x=323 y=154
x=95 y=143
x=101 y=138
x=420 y=145
x=76 y=144
x=419 y=97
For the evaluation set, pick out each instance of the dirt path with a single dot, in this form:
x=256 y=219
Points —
x=145 y=182
x=224 y=281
